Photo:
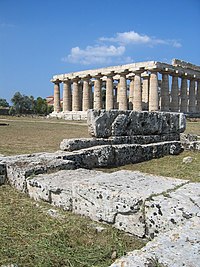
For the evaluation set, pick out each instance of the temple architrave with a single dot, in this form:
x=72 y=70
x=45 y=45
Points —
x=151 y=85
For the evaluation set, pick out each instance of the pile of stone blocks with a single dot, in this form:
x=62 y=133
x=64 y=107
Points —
x=123 y=137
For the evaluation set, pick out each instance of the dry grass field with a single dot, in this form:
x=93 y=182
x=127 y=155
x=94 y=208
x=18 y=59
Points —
x=29 y=135
x=29 y=236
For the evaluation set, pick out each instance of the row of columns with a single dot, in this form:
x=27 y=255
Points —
x=144 y=93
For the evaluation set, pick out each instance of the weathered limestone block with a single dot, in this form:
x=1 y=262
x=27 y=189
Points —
x=19 y=168
x=104 y=124
x=77 y=144
x=178 y=247
x=116 y=155
x=98 y=156
x=56 y=188
x=190 y=142
x=2 y=173
x=118 y=198
x=163 y=212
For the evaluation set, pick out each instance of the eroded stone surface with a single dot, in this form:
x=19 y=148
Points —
x=2 y=174
x=56 y=188
x=163 y=212
x=178 y=247
x=77 y=144
x=117 y=198
x=122 y=123
x=19 y=168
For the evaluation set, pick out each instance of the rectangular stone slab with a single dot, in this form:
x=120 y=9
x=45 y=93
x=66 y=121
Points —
x=103 y=124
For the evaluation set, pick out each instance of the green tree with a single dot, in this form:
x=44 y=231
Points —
x=18 y=101
x=41 y=106
x=23 y=104
x=3 y=103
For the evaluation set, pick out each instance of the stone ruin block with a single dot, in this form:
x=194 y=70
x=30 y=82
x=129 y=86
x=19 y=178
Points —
x=2 y=174
x=104 y=124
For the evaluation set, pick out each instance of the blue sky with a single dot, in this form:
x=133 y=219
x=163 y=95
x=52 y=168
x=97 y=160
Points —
x=41 y=38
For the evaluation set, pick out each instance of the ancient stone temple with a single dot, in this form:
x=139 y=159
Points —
x=151 y=85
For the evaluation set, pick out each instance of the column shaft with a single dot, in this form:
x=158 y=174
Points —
x=192 y=99
x=145 y=93
x=91 y=95
x=184 y=100
x=80 y=88
x=97 y=94
x=123 y=93
x=198 y=97
x=86 y=95
x=109 y=93
x=174 y=94
x=57 y=107
x=153 y=92
x=75 y=97
x=165 y=92
x=131 y=94
x=137 y=97
x=67 y=97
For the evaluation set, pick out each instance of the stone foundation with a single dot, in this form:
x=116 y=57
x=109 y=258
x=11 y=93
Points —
x=70 y=115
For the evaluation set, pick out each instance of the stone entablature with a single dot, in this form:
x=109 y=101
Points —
x=151 y=85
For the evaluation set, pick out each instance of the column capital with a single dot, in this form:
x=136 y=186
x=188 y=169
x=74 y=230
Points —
x=192 y=77
x=98 y=76
x=124 y=73
x=86 y=78
x=56 y=81
x=76 y=79
x=110 y=74
x=66 y=80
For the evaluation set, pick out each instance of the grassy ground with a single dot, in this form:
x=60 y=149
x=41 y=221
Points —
x=27 y=135
x=29 y=236
x=171 y=166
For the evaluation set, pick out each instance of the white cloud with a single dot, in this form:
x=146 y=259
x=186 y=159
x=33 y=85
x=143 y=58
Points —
x=132 y=37
x=127 y=38
x=111 y=50
x=95 y=54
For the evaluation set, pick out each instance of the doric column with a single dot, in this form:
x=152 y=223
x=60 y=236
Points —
x=118 y=94
x=75 y=96
x=198 y=96
x=115 y=96
x=131 y=93
x=91 y=95
x=57 y=107
x=164 y=106
x=67 y=97
x=122 y=98
x=174 y=105
x=184 y=98
x=109 y=92
x=137 y=93
x=97 y=93
x=145 y=91
x=80 y=93
x=192 y=99
x=153 y=92
x=86 y=94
